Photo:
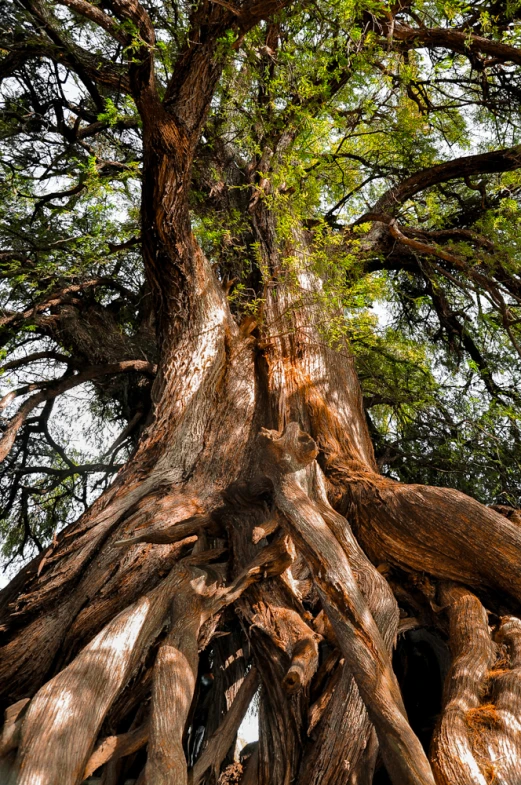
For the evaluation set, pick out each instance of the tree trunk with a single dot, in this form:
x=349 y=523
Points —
x=107 y=627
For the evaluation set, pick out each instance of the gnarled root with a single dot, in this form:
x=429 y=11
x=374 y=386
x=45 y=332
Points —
x=478 y=739
x=64 y=717
x=437 y=530
x=505 y=697
x=360 y=641
x=455 y=755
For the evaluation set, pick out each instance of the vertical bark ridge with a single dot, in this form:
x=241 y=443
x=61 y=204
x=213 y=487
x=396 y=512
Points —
x=272 y=615
x=344 y=746
x=64 y=717
x=457 y=755
x=175 y=674
x=222 y=440
x=336 y=750
x=228 y=656
x=316 y=384
x=180 y=657
x=503 y=725
x=58 y=731
x=311 y=381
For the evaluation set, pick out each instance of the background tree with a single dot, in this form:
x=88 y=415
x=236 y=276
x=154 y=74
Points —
x=261 y=297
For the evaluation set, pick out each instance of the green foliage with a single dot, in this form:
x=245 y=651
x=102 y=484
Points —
x=114 y=114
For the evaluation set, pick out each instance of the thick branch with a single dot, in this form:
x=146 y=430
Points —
x=304 y=661
x=10 y=319
x=30 y=358
x=92 y=68
x=99 y=17
x=455 y=41
x=436 y=530
x=487 y=163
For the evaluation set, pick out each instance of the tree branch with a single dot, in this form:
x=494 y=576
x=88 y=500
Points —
x=10 y=319
x=99 y=17
x=454 y=752
x=454 y=40
x=92 y=68
x=505 y=160
x=52 y=390
x=31 y=358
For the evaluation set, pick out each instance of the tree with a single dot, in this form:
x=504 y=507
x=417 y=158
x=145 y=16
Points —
x=296 y=163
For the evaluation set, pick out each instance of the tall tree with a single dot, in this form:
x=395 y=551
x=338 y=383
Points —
x=201 y=203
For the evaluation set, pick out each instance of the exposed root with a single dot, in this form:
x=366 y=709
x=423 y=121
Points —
x=357 y=633
x=437 y=530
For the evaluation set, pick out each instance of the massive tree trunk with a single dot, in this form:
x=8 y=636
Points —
x=254 y=485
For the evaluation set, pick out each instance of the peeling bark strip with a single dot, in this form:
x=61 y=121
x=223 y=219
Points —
x=287 y=455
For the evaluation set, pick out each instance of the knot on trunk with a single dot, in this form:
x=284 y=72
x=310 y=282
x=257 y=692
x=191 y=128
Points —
x=289 y=450
x=304 y=661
